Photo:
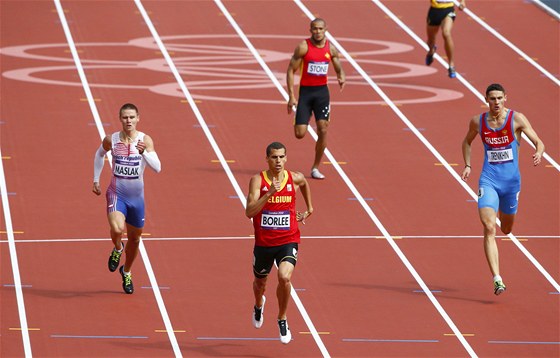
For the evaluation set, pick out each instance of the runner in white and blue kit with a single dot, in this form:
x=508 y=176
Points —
x=500 y=182
x=131 y=150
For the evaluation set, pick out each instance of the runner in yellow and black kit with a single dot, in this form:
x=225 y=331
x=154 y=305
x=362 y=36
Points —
x=442 y=14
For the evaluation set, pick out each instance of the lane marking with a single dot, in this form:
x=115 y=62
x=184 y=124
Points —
x=521 y=342
x=251 y=237
x=390 y=340
x=14 y=263
x=19 y=329
x=509 y=44
x=97 y=337
x=101 y=131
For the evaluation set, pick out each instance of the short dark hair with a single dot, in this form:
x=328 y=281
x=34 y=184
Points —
x=495 y=87
x=274 y=145
x=317 y=19
x=128 y=106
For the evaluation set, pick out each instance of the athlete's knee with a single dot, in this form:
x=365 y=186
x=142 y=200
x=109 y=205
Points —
x=299 y=131
x=284 y=278
x=259 y=284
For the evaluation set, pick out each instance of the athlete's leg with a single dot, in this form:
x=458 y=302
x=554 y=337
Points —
x=300 y=130
x=506 y=221
x=285 y=271
x=259 y=286
x=133 y=233
x=488 y=219
x=322 y=129
x=446 y=27
x=432 y=32
x=116 y=225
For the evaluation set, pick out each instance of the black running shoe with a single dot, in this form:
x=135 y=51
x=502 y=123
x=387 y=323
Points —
x=127 y=285
x=115 y=258
x=285 y=334
x=430 y=57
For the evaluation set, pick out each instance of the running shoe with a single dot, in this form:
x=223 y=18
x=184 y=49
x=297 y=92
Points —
x=258 y=315
x=127 y=285
x=430 y=57
x=451 y=72
x=115 y=258
x=316 y=174
x=499 y=287
x=285 y=334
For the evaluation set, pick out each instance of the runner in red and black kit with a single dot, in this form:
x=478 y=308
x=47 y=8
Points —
x=312 y=57
x=271 y=204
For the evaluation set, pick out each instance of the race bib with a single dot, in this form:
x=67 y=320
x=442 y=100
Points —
x=498 y=156
x=126 y=171
x=318 y=68
x=275 y=220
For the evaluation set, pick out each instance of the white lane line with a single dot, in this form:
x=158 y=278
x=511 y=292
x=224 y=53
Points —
x=547 y=8
x=349 y=183
x=14 y=262
x=321 y=237
x=439 y=59
x=217 y=150
x=510 y=44
x=440 y=158
x=101 y=130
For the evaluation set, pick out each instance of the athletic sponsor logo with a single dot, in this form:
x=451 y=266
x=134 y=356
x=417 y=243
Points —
x=264 y=188
x=500 y=156
x=486 y=133
x=275 y=220
x=289 y=187
x=480 y=192
x=294 y=252
x=318 y=68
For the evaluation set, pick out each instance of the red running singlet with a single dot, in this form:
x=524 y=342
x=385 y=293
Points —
x=315 y=65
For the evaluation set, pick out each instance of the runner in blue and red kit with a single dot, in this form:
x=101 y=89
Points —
x=131 y=150
x=500 y=181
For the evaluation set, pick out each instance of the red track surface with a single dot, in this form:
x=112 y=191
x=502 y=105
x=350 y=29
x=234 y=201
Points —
x=349 y=279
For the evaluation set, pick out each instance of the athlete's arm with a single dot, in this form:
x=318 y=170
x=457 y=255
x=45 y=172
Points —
x=521 y=123
x=295 y=64
x=466 y=147
x=99 y=162
x=301 y=183
x=340 y=75
x=255 y=202
x=146 y=149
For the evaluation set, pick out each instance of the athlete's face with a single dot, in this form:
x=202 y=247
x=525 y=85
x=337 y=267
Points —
x=129 y=118
x=276 y=160
x=496 y=101
x=317 y=30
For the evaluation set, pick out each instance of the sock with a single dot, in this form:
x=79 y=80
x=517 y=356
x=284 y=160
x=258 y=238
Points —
x=126 y=273
x=497 y=278
x=121 y=250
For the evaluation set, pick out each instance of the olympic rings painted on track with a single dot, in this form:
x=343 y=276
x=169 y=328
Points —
x=214 y=71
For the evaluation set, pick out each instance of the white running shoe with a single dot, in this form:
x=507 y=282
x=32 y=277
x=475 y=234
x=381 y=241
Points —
x=285 y=334
x=258 y=315
x=316 y=174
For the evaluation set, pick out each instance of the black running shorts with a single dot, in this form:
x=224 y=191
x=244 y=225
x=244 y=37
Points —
x=264 y=257
x=314 y=99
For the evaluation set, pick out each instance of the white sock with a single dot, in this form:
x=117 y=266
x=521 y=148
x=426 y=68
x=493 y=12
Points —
x=497 y=278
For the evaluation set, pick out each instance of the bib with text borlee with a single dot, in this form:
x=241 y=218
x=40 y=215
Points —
x=275 y=220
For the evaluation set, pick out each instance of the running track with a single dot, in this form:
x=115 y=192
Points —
x=391 y=263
